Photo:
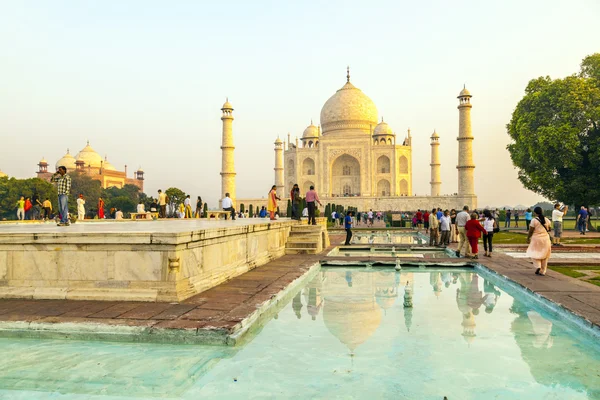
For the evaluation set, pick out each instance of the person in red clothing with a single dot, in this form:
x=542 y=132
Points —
x=426 y=221
x=474 y=231
x=419 y=219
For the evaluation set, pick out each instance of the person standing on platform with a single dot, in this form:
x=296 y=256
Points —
x=473 y=231
x=188 y=206
x=63 y=186
x=36 y=211
x=80 y=207
x=489 y=224
x=162 y=203
x=198 y=212
x=528 y=218
x=227 y=205
x=311 y=198
x=47 y=206
x=348 y=227
x=100 y=208
x=538 y=238
x=295 y=200
x=434 y=224
x=516 y=218
x=21 y=208
x=461 y=221
x=272 y=204
x=582 y=218
x=453 y=235
x=445 y=227
x=370 y=218
x=28 y=206
x=507 y=219
x=557 y=219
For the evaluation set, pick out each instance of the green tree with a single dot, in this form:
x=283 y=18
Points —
x=242 y=208
x=328 y=212
x=176 y=197
x=91 y=190
x=12 y=189
x=555 y=130
x=250 y=211
x=205 y=213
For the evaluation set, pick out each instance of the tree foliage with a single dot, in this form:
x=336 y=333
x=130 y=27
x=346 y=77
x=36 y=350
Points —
x=555 y=130
x=176 y=197
x=12 y=189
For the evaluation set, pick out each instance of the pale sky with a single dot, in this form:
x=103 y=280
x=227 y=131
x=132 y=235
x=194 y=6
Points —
x=144 y=81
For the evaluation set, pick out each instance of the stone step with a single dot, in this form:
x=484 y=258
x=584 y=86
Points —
x=308 y=245
x=303 y=239
x=295 y=250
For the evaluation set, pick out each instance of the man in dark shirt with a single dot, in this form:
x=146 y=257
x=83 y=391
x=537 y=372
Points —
x=348 y=227
x=507 y=220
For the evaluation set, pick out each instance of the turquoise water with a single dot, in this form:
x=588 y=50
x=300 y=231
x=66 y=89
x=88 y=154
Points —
x=389 y=237
x=391 y=251
x=345 y=335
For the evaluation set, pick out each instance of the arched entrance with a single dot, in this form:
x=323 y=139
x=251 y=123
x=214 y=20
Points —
x=403 y=187
x=345 y=176
x=383 y=188
x=308 y=166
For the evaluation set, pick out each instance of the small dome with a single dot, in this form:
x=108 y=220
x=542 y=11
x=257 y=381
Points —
x=107 y=165
x=140 y=170
x=310 y=132
x=435 y=135
x=43 y=161
x=278 y=141
x=382 y=128
x=465 y=93
x=227 y=106
x=2 y=174
x=68 y=161
x=89 y=157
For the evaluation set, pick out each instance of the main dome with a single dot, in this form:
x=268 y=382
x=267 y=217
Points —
x=348 y=108
x=89 y=157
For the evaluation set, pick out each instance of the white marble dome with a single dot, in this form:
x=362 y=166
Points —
x=89 y=157
x=382 y=128
x=68 y=161
x=348 y=108
x=310 y=132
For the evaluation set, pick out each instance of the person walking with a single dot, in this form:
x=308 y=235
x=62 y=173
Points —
x=528 y=217
x=80 y=207
x=27 y=207
x=21 y=208
x=433 y=228
x=426 y=221
x=453 y=235
x=198 y=213
x=101 y=208
x=461 y=220
x=474 y=230
x=507 y=219
x=516 y=218
x=334 y=218
x=272 y=204
x=557 y=219
x=348 y=227
x=36 y=210
x=188 y=206
x=162 y=204
x=445 y=228
x=295 y=200
x=582 y=220
x=489 y=224
x=227 y=205
x=47 y=206
x=311 y=198
x=539 y=248
x=370 y=218
x=63 y=188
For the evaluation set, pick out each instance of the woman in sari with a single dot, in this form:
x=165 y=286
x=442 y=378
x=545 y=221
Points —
x=538 y=238
x=100 y=208
x=272 y=205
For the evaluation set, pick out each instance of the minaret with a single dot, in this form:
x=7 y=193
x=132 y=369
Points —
x=466 y=167
x=436 y=179
x=227 y=164
x=279 y=167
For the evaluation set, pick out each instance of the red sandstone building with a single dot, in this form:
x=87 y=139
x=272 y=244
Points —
x=89 y=162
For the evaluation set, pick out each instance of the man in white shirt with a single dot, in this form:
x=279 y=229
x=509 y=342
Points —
x=557 y=218
x=433 y=228
x=334 y=218
x=461 y=220
x=227 y=205
x=370 y=217
x=188 y=206
x=80 y=207
x=445 y=222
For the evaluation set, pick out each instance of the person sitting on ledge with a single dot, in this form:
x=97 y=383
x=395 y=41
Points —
x=118 y=214
x=227 y=205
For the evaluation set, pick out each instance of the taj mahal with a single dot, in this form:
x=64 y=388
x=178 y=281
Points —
x=355 y=159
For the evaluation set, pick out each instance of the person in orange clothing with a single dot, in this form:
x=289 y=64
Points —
x=272 y=205
x=474 y=230
x=100 y=208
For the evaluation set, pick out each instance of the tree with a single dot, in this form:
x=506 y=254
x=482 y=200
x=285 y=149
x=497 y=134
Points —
x=555 y=130
x=205 y=213
x=242 y=208
x=328 y=211
x=176 y=196
x=91 y=189
x=288 y=210
x=250 y=211
x=11 y=189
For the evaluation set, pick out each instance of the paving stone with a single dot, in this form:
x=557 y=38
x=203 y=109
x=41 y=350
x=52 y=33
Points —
x=115 y=311
x=174 y=311
x=146 y=311
x=199 y=314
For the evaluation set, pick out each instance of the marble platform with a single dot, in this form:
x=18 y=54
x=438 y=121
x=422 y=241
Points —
x=165 y=260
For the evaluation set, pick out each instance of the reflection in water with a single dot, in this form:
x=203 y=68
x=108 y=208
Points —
x=388 y=238
x=297 y=305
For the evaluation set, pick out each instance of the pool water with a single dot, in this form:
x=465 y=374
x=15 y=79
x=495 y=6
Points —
x=389 y=237
x=345 y=335
x=397 y=252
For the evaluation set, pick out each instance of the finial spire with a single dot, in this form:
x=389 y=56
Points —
x=227 y=98
x=382 y=118
x=88 y=142
x=311 y=122
x=348 y=74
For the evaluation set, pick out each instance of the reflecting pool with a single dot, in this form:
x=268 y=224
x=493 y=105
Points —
x=346 y=334
x=388 y=237
x=397 y=252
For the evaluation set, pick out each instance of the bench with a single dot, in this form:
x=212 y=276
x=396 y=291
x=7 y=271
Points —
x=153 y=215
x=217 y=214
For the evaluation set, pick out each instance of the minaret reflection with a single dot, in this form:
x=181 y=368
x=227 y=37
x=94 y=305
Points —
x=313 y=296
x=462 y=301
x=297 y=304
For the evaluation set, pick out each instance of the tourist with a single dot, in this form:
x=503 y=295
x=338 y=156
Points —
x=295 y=200
x=516 y=218
x=63 y=187
x=27 y=207
x=263 y=212
x=582 y=220
x=118 y=214
x=433 y=228
x=21 y=208
x=36 y=210
x=419 y=219
x=453 y=235
x=461 y=220
x=340 y=218
x=334 y=218
x=154 y=206
x=47 y=206
x=439 y=214
x=489 y=224
x=272 y=203
x=474 y=230
x=539 y=242
x=370 y=217
x=198 y=213
x=141 y=209
x=415 y=222
x=187 y=203
x=528 y=217
x=445 y=228
x=227 y=205
x=507 y=219
x=557 y=218
x=348 y=227
x=358 y=217
x=311 y=198
x=162 y=203
x=181 y=211
x=80 y=207
x=305 y=212
x=426 y=221
x=100 y=208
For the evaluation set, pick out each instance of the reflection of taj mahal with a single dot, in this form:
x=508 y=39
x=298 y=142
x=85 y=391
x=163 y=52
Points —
x=355 y=159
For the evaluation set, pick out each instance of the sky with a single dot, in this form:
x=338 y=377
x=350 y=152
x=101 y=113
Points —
x=144 y=81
